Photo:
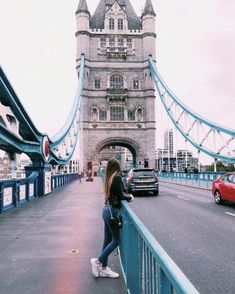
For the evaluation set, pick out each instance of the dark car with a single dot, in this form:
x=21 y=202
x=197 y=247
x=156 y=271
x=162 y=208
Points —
x=223 y=188
x=142 y=180
x=124 y=175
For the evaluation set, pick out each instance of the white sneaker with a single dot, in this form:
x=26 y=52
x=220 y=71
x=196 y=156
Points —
x=95 y=267
x=107 y=273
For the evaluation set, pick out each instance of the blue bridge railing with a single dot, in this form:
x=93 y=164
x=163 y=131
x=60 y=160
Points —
x=59 y=180
x=202 y=179
x=15 y=192
x=147 y=267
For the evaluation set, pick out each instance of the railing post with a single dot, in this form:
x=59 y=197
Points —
x=1 y=197
x=44 y=178
x=164 y=286
x=16 y=193
x=27 y=191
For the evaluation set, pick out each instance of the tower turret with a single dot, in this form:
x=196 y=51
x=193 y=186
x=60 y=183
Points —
x=82 y=35
x=148 y=24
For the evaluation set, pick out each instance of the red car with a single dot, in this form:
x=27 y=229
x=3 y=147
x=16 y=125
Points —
x=223 y=188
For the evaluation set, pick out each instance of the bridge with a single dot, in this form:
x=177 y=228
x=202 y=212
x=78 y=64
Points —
x=46 y=242
x=83 y=140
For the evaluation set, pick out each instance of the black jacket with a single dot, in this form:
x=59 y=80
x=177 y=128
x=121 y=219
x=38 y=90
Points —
x=117 y=193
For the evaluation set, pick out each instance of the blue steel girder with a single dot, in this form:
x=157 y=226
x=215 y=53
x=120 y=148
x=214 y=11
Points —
x=14 y=144
x=207 y=137
x=8 y=98
x=18 y=133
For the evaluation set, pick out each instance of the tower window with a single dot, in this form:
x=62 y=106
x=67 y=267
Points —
x=116 y=81
x=135 y=84
x=102 y=115
x=139 y=114
x=102 y=43
x=94 y=114
x=112 y=42
x=97 y=83
x=131 y=115
x=129 y=43
x=116 y=113
x=120 y=24
x=11 y=119
x=120 y=42
x=111 y=24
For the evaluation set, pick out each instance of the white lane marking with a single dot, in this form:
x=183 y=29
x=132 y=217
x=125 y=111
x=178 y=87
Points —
x=229 y=213
x=184 y=198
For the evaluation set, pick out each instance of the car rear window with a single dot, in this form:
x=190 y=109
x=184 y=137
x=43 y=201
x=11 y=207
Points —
x=125 y=172
x=142 y=173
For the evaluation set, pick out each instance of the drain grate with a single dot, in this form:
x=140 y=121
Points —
x=74 y=251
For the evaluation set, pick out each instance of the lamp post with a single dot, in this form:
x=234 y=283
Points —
x=215 y=167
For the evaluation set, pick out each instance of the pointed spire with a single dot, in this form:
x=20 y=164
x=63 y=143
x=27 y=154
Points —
x=148 y=8
x=82 y=7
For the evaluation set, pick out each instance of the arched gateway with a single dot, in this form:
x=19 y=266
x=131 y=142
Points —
x=123 y=142
x=118 y=91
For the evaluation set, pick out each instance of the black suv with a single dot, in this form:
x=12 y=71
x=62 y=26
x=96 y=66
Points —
x=142 y=179
x=124 y=175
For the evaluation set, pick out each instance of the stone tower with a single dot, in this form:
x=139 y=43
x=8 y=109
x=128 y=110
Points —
x=118 y=93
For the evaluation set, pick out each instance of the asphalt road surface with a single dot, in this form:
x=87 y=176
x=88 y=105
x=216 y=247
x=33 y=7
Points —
x=196 y=233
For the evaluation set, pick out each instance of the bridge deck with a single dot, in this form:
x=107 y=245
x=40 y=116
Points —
x=36 y=240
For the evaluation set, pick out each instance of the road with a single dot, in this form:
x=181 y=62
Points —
x=197 y=234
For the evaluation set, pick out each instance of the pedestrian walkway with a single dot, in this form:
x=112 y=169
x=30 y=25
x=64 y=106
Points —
x=46 y=244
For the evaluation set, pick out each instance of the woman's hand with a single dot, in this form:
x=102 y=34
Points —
x=132 y=197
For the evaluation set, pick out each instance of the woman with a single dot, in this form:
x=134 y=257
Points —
x=113 y=190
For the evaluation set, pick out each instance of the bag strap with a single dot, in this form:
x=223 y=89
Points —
x=109 y=209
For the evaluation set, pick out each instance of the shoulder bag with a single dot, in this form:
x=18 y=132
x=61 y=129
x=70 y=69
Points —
x=114 y=222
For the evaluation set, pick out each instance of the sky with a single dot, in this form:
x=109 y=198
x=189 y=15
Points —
x=195 y=55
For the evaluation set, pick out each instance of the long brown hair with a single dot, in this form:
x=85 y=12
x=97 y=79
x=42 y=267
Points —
x=112 y=169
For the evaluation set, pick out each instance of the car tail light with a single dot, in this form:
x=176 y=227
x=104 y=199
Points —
x=130 y=179
x=156 y=179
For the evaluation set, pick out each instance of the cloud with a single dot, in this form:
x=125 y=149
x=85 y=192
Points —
x=195 y=45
